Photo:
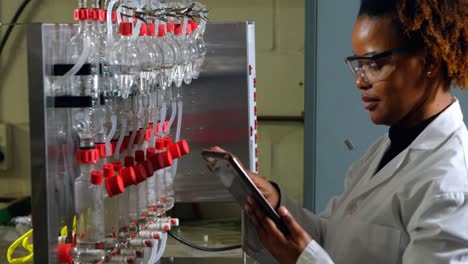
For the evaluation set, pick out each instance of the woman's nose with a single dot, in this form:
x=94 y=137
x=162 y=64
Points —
x=362 y=83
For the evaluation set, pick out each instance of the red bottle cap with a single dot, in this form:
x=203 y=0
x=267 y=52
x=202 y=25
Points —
x=125 y=28
x=167 y=141
x=170 y=26
x=114 y=16
x=114 y=185
x=125 y=143
x=174 y=150
x=143 y=29
x=101 y=147
x=149 y=168
x=161 y=31
x=102 y=15
x=94 y=14
x=128 y=176
x=139 y=155
x=64 y=254
x=148 y=134
x=194 y=24
x=140 y=172
x=129 y=161
x=96 y=177
x=151 y=28
x=161 y=160
x=114 y=144
x=159 y=144
x=137 y=137
x=178 y=29
x=117 y=166
x=108 y=170
x=150 y=152
x=80 y=14
x=165 y=125
x=183 y=147
x=87 y=156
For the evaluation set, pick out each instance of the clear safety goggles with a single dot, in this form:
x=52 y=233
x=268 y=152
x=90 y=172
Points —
x=374 y=68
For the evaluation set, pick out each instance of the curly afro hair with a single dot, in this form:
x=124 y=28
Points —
x=438 y=26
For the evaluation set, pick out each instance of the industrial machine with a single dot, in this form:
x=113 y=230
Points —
x=121 y=105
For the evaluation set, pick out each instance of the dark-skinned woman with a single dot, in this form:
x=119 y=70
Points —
x=406 y=199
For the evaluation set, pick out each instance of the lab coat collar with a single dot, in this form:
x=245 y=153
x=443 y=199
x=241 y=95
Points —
x=434 y=134
x=439 y=129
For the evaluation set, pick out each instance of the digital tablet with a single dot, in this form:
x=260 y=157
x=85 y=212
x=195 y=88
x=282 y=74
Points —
x=239 y=184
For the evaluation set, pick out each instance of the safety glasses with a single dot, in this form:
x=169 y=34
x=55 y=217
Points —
x=374 y=68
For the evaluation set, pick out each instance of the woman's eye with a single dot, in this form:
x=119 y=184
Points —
x=375 y=67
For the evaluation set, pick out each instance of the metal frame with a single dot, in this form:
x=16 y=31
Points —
x=310 y=104
x=39 y=181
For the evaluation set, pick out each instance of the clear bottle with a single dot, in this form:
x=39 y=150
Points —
x=183 y=63
x=181 y=53
x=192 y=49
x=169 y=57
x=151 y=41
x=89 y=208
x=87 y=82
x=200 y=42
x=125 y=60
x=151 y=60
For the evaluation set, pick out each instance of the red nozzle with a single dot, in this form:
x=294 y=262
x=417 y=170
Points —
x=161 y=160
x=96 y=177
x=150 y=152
x=117 y=166
x=108 y=170
x=174 y=150
x=148 y=167
x=64 y=254
x=167 y=141
x=129 y=161
x=114 y=185
x=139 y=155
x=159 y=144
x=140 y=172
x=129 y=176
x=183 y=147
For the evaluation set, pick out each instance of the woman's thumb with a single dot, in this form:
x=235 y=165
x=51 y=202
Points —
x=289 y=221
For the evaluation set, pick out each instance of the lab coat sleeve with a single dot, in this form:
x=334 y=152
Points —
x=315 y=225
x=314 y=254
x=438 y=230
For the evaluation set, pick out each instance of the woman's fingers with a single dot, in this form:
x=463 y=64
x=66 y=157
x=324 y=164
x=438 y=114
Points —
x=298 y=234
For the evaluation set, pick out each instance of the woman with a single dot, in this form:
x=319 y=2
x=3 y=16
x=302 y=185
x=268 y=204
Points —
x=406 y=200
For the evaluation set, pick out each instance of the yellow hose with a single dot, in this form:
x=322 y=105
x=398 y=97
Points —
x=23 y=240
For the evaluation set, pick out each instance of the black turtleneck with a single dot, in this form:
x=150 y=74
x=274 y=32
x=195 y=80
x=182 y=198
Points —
x=401 y=138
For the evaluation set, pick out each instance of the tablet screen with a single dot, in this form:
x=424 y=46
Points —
x=239 y=184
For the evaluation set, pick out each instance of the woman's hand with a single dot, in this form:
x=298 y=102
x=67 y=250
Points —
x=266 y=188
x=285 y=249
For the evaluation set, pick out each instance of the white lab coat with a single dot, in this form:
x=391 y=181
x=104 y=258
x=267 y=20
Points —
x=414 y=210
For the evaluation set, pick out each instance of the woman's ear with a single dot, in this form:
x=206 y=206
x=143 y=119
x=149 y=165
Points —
x=432 y=66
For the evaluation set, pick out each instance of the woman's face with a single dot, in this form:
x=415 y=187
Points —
x=402 y=92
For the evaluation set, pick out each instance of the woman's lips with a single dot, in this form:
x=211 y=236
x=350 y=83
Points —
x=370 y=103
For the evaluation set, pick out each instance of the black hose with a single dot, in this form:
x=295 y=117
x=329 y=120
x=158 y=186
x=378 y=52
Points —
x=200 y=247
x=12 y=22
